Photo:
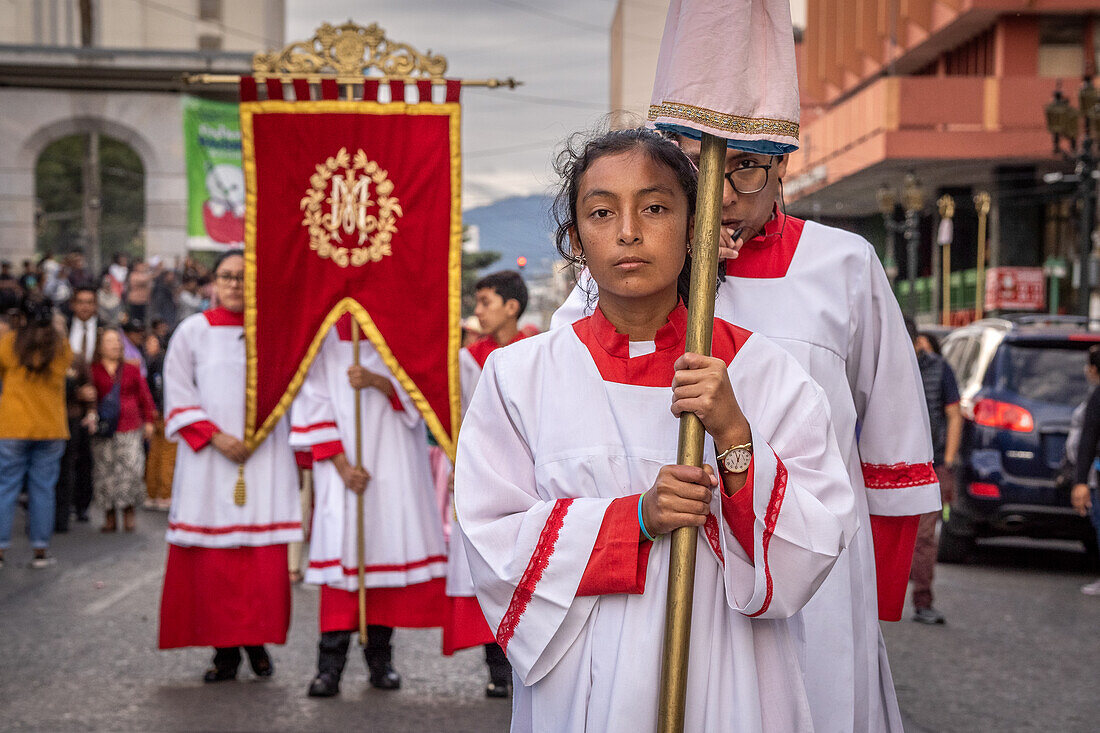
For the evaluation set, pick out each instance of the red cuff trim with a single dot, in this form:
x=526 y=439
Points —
x=738 y=513
x=898 y=475
x=310 y=428
x=304 y=459
x=619 y=558
x=325 y=451
x=894 y=538
x=540 y=558
x=198 y=434
x=395 y=402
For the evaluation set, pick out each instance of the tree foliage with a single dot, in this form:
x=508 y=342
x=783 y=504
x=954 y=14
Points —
x=59 y=194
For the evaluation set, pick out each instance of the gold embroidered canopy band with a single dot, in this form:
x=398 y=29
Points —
x=724 y=122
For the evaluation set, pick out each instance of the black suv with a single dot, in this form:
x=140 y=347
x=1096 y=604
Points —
x=1020 y=377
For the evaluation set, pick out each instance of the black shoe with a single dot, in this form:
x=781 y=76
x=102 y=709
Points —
x=220 y=674
x=260 y=661
x=929 y=616
x=384 y=677
x=325 y=684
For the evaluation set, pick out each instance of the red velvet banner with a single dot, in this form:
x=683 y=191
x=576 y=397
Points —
x=352 y=206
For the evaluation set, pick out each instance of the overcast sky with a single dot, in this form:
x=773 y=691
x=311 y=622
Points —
x=558 y=48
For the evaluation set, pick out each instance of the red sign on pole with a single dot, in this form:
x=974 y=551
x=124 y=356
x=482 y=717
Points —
x=1015 y=289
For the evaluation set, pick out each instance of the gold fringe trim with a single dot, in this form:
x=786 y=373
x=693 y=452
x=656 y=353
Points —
x=255 y=435
x=725 y=122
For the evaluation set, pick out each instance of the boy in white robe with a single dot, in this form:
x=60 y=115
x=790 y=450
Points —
x=405 y=558
x=501 y=300
x=821 y=294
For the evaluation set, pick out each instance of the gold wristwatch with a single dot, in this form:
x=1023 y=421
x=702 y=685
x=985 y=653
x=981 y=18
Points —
x=735 y=459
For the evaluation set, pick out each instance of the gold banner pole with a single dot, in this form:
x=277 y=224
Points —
x=360 y=540
x=230 y=79
x=981 y=203
x=700 y=328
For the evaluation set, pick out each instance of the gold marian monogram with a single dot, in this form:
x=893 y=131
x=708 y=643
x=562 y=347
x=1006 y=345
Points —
x=338 y=204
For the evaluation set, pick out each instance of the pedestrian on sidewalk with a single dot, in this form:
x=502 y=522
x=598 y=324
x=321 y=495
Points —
x=160 y=462
x=126 y=417
x=33 y=423
x=226 y=583
x=941 y=391
x=1081 y=447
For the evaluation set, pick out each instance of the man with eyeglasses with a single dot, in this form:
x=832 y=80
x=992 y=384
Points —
x=822 y=294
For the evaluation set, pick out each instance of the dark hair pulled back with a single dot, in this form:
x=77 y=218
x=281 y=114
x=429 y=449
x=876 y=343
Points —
x=582 y=149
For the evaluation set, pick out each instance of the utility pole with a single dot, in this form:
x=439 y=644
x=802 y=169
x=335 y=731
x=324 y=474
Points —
x=91 y=205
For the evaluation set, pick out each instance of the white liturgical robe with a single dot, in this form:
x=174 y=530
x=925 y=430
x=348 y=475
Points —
x=565 y=431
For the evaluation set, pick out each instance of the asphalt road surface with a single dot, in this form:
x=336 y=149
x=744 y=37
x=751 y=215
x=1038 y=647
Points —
x=1020 y=652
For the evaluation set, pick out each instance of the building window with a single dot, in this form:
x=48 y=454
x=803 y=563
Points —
x=1061 y=45
x=210 y=10
x=210 y=42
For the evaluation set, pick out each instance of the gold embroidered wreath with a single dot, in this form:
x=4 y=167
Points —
x=375 y=232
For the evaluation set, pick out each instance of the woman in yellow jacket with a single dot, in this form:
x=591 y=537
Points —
x=33 y=423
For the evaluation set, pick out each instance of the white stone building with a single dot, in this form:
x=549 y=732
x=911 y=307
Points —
x=121 y=75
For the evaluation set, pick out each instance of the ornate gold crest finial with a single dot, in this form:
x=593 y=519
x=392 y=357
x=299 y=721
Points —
x=350 y=49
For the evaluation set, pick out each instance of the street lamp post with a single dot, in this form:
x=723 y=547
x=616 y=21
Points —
x=912 y=200
x=1064 y=122
x=887 y=202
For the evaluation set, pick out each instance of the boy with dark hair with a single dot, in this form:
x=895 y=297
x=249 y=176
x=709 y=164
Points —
x=501 y=300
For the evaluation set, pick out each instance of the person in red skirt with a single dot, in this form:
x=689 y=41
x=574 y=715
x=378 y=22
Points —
x=226 y=583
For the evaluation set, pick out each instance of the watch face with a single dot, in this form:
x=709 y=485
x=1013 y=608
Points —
x=737 y=461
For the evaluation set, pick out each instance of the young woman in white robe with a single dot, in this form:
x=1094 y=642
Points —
x=821 y=294
x=405 y=557
x=226 y=583
x=566 y=465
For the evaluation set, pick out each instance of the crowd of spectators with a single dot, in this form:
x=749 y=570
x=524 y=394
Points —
x=111 y=329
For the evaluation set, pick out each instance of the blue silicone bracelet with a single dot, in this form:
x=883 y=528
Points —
x=641 y=523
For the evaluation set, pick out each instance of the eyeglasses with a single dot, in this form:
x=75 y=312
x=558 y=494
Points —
x=225 y=277
x=748 y=179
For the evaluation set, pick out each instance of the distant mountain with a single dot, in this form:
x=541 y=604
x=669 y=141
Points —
x=515 y=227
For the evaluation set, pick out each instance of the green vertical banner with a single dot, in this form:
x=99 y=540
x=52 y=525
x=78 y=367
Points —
x=215 y=183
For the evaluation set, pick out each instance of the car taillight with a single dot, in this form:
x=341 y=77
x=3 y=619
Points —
x=986 y=491
x=1003 y=415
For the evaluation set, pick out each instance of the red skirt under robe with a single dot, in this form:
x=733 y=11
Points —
x=413 y=607
x=236 y=596
x=466 y=625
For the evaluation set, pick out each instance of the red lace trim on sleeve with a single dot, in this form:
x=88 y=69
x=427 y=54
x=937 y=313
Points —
x=898 y=475
x=771 y=517
x=540 y=558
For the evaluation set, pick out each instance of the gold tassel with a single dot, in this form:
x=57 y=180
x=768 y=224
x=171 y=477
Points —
x=238 y=488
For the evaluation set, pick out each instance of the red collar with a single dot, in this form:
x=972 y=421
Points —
x=769 y=255
x=486 y=345
x=221 y=317
x=610 y=350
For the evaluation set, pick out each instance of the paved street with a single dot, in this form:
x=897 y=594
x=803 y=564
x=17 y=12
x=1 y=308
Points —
x=1019 y=653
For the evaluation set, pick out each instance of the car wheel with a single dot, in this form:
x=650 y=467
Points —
x=954 y=547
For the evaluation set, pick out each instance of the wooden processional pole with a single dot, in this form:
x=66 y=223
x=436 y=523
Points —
x=700 y=328
x=360 y=540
